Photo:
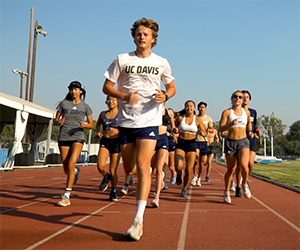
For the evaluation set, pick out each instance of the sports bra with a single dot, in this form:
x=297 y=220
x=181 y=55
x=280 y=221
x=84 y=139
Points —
x=166 y=119
x=185 y=128
x=242 y=120
x=109 y=123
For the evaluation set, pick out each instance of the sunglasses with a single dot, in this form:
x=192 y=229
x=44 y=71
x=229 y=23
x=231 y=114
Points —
x=238 y=96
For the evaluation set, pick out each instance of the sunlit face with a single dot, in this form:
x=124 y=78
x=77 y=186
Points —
x=75 y=92
x=189 y=107
x=246 y=98
x=202 y=109
x=112 y=102
x=237 y=98
x=143 y=38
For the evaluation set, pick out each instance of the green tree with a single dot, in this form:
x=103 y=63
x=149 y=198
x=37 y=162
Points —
x=294 y=132
x=273 y=126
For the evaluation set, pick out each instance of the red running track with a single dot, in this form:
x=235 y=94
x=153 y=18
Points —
x=30 y=220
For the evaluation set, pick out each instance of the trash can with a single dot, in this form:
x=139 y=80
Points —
x=4 y=152
x=83 y=157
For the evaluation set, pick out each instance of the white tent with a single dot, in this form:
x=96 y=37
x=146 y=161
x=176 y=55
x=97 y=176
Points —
x=24 y=114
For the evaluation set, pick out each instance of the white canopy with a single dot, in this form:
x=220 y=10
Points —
x=22 y=113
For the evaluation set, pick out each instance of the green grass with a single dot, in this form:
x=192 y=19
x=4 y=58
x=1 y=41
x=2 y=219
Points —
x=285 y=172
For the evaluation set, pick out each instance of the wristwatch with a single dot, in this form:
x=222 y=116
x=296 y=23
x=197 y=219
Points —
x=167 y=97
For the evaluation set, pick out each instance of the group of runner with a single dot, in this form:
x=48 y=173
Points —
x=149 y=137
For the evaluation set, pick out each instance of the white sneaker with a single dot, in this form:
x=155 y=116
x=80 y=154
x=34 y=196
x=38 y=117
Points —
x=136 y=229
x=226 y=197
x=247 y=192
x=124 y=190
x=65 y=201
x=232 y=186
x=194 y=180
x=198 y=183
x=155 y=202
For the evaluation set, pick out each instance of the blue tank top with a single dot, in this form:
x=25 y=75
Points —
x=109 y=123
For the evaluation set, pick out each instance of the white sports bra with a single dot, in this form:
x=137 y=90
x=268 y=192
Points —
x=185 y=128
x=242 y=120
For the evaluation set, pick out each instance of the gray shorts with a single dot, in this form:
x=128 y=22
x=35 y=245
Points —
x=232 y=147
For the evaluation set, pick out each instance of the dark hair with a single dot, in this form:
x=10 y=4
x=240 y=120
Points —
x=246 y=92
x=148 y=23
x=200 y=103
x=76 y=84
x=183 y=112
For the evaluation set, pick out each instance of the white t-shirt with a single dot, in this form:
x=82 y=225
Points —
x=143 y=75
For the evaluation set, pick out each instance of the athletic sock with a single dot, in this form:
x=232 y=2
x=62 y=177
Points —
x=140 y=209
x=68 y=192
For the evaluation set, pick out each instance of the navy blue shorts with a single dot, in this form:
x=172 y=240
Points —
x=172 y=144
x=202 y=146
x=112 y=145
x=128 y=135
x=162 y=142
x=186 y=145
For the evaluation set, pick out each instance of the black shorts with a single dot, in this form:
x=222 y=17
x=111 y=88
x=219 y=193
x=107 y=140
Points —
x=202 y=146
x=252 y=147
x=112 y=145
x=186 y=145
x=69 y=143
x=211 y=150
x=232 y=147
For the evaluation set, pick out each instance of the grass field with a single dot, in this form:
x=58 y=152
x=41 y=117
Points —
x=285 y=172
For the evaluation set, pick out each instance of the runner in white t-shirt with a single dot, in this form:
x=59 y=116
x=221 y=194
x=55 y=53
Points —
x=138 y=75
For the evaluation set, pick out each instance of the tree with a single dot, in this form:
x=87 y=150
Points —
x=272 y=126
x=294 y=132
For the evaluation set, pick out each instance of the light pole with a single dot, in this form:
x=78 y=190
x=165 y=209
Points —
x=37 y=29
x=271 y=132
x=22 y=75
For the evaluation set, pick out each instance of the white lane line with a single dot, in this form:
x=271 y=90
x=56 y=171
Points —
x=72 y=225
x=271 y=210
x=182 y=236
x=278 y=215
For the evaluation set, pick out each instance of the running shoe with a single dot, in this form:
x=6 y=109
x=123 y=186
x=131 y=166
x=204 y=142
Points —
x=194 y=180
x=249 y=186
x=124 y=190
x=238 y=192
x=246 y=190
x=232 y=186
x=227 y=198
x=113 y=196
x=207 y=179
x=105 y=181
x=136 y=229
x=76 y=180
x=198 y=182
x=155 y=202
x=179 y=178
x=184 y=193
x=131 y=182
x=65 y=201
x=173 y=180
x=165 y=186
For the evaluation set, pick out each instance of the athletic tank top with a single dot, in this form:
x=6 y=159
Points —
x=109 y=123
x=166 y=119
x=242 y=120
x=185 y=128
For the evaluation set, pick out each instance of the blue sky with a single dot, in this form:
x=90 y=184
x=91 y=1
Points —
x=214 y=48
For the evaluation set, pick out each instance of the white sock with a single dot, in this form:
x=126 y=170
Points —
x=68 y=192
x=140 y=209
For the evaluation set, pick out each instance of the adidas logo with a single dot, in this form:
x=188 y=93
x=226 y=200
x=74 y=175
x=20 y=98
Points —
x=74 y=107
x=164 y=146
x=152 y=134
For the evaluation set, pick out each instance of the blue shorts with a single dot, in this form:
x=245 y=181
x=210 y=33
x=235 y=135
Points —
x=186 y=145
x=112 y=145
x=128 y=135
x=172 y=144
x=162 y=142
x=232 y=147
x=202 y=146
